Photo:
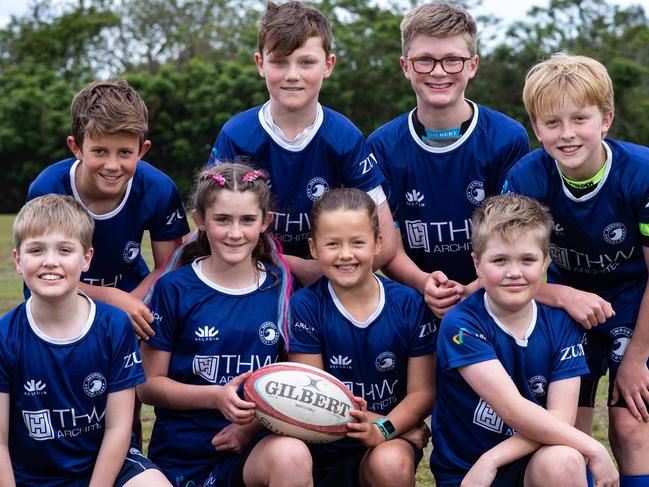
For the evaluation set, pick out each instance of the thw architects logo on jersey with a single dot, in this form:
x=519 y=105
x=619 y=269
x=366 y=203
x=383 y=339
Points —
x=414 y=198
x=206 y=333
x=340 y=362
x=35 y=388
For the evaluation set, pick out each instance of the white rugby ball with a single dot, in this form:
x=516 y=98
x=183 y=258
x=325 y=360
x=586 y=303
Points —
x=298 y=400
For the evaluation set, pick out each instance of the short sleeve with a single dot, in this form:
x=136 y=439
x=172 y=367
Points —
x=126 y=365
x=361 y=168
x=305 y=325
x=461 y=342
x=568 y=358
x=423 y=334
x=170 y=220
x=518 y=149
x=165 y=316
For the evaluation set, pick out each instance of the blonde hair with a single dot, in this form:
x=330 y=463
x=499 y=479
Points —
x=345 y=199
x=509 y=217
x=582 y=78
x=53 y=213
x=439 y=19
x=108 y=108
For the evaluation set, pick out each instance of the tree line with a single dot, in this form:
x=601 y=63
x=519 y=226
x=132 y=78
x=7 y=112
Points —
x=191 y=60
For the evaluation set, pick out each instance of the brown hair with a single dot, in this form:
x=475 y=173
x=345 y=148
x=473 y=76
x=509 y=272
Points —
x=53 y=213
x=228 y=176
x=108 y=108
x=284 y=28
x=439 y=19
x=345 y=199
x=510 y=216
x=582 y=78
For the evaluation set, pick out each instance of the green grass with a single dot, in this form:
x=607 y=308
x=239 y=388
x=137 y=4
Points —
x=11 y=295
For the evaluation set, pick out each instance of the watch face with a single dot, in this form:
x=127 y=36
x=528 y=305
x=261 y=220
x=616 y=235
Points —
x=389 y=427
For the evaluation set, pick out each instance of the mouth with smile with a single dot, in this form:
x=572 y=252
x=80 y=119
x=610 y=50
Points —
x=347 y=268
x=569 y=149
x=50 y=276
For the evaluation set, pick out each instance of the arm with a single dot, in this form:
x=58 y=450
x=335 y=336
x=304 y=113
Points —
x=492 y=383
x=632 y=380
x=307 y=271
x=406 y=415
x=160 y=390
x=587 y=309
x=117 y=435
x=562 y=401
x=440 y=293
x=386 y=228
x=6 y=471
x=160 y=250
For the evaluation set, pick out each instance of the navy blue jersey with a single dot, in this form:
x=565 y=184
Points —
x=434 y=191
x=151 y=203
x=334 y=156
x=596 y=241
x=369 y=358
x=213 y=335
x=464 y=426
x=58 y=391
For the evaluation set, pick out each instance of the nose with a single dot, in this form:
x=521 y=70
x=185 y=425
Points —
x=567 y=131
x=50 y=259
x=235 y=232
x=111 y=163
x=514 y=271
x=438 y=70
x=346 y=252
x=292 y=72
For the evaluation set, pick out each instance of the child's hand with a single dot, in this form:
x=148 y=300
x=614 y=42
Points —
x=603 y=469
x=587 y=309
x=418 y=436
x=364 y=430
x=441 y=293
x=234 y=437
x=235 y=409
x=136 y=310
x=481 y=474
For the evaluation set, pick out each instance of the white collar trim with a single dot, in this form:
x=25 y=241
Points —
x=530 y=327
x=454 y=145
x=354 y=321
x=197 y=268
x=61 y=341
x=277 y=134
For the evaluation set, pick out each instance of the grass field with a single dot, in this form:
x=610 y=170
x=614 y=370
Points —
x=11 y=295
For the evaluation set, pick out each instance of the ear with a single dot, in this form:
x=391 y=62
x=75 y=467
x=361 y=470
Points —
x=476 y=263
x=607 y=120
x=16 y=255
x=535 y=127
x=404 y=67
x=87 y=257
x=259 y=62
x=198 y=220
x=267 y=221
x=378 y=244
x=313 y=248
x=146 y=145
x=473 y=66
x=76 y=150
x=330 y=62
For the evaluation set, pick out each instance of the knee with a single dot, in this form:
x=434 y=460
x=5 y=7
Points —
x=557 y=465
x=389 y=467
x=625 y=433
x=289 y=455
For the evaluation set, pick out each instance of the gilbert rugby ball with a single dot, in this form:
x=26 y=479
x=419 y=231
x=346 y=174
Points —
x=301 y=401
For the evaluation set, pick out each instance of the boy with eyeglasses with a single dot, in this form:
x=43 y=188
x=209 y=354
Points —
x=444 y=157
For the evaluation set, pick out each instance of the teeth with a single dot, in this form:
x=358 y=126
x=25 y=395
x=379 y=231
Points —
x=439 y=86
x=51 y=277
x=348 y=267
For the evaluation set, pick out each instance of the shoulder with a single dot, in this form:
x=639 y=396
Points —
x=10 y=322
x=339 y=129
x=399 y=292
x=147 y=174
x=52 y=179
x=495 y=120
x=242 y=121
x=631 y=156
x=471 y=312
x=311 y=296
x=388 y=131
x=532 y=174
x=111 y=317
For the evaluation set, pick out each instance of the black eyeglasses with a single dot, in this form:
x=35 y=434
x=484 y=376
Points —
x=426 y=64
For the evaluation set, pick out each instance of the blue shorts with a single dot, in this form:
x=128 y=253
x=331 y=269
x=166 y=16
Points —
x=510 y=475
x=340 y=467
x=604 y=349
x=134 y=464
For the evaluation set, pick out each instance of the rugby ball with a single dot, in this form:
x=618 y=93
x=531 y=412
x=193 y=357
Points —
x=298 y=400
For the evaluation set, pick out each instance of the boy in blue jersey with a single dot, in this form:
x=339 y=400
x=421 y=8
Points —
x=124 y=195
x=597 y=190
x=442 y=158
x=508 y=368
x=376 y=336
x=68 y=365
x=306 y=148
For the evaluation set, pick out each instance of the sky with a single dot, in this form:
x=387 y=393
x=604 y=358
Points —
x=509 y=11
